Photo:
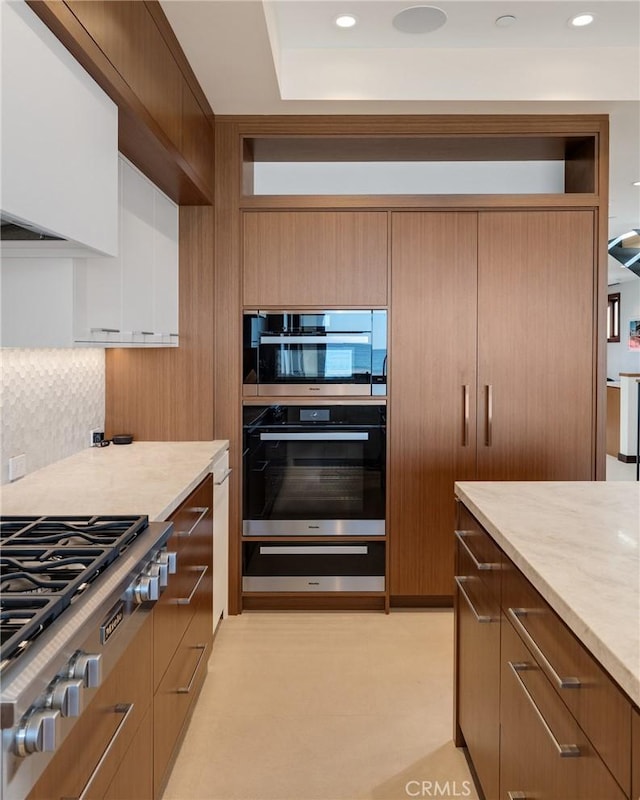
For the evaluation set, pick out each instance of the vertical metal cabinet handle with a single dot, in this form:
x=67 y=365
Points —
x=185 y=601
x=483 y=565
x=203 y=513
x=563 y=750
x=562 y=683
x=125 y=709
x=186 y=689
x=460 y=580
x=224 y=477
x=465 y=411
x=489 y=425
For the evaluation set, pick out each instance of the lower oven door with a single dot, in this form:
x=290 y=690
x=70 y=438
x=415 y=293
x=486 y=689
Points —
x=313 y=567
x=325 y=479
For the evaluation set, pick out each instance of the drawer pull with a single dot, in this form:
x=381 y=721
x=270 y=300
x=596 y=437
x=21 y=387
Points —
x=479 y=617
x=186 y=689
x=484 y=565
x=185 y=601
x=563 y=750
x=516 y=796
x=203 y=513
x=125 y=709
x=224 y=477
x=561 y=683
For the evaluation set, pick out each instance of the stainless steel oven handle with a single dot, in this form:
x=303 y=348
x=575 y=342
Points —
x=203 y=513
x=315 y=550
x=125 y=709
x=186 y=689
x=338 y=436
x=328 y=339
x=185 y=601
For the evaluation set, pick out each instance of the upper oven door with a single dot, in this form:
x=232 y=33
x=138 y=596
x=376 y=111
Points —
x=316 y=478
x=305 y=353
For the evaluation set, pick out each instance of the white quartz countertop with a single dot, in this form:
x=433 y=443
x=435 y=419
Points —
x=578 y=544
x=150 y=478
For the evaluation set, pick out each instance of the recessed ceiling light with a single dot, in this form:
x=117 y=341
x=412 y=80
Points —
x=419 y=19
x=506 y=21
x=345 y=20
x=580 y=20
x=636 y=183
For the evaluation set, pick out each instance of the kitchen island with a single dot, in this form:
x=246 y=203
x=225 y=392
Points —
x=548 y=637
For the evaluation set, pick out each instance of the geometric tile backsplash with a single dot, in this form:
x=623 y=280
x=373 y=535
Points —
x=49 y=401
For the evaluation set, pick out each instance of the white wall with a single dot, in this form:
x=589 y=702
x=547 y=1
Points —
x=49 y=401
x=619 y=357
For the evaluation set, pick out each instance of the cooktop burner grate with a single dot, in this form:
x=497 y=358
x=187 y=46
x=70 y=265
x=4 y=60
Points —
x=47 y=562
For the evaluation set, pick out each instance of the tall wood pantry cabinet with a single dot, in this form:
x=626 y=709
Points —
x=491 y=368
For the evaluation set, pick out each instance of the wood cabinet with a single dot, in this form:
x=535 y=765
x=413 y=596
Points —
x=183 y=628
x=485 y=368
x=132 y=299
x=432 y=374
x=117 y=724
x=613 y=420
x=323 y=259
x=635 y=754
x=478 y=565
x=565 y=727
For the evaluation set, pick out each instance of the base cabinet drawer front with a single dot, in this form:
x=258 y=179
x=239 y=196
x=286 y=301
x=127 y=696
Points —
x=598 y=705
x=108 y=726
x=635 y=754
x=175 y=696
x=478 y=682
x=183 y=628
x=134 y=778
x=544 y=752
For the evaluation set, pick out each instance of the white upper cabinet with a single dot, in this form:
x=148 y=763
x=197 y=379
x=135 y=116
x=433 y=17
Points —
x=59 y=136
x=132 y=300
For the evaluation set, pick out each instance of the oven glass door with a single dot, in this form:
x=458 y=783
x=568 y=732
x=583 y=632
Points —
x=318 y=479
x=340 y=358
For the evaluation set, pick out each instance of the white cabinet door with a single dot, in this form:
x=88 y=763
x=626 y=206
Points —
x=59 y=135
x=132 y=300
x=221 y=474
x=137 y=253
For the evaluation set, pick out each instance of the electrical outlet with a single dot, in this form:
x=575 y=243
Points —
x=17 y=467
x=95 y=436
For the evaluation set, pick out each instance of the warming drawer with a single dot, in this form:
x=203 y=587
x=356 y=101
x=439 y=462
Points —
x=313 y=567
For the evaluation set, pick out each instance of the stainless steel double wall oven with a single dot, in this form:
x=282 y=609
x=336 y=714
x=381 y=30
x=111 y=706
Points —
x=314 y=470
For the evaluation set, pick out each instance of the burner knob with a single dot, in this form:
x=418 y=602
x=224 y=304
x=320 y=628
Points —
x=37 y=734
x=147 y=587
x=66 y=697
x=87 y=668
x=165 y=563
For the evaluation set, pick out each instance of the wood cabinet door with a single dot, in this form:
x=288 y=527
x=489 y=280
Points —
x=433 y=357
x=326 y=259
x=536 y=345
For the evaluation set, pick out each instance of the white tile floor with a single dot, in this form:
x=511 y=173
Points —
x=324 y=706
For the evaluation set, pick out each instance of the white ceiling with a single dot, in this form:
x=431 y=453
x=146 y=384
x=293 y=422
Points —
x=288 y=57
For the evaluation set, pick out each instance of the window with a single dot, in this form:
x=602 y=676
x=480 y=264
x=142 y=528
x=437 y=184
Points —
x=613 y=318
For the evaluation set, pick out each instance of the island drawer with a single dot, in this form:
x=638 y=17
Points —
x=598 y=705
x=478 y=559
